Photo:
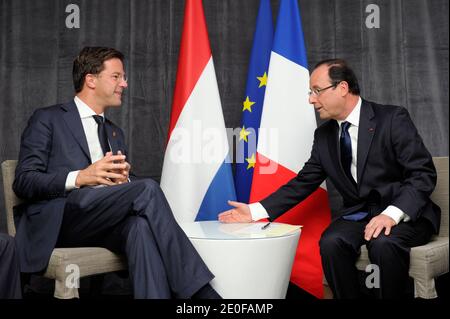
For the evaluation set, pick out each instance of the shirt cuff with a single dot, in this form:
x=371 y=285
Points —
x=396 y=214
x=257 y=211
x=71 y=179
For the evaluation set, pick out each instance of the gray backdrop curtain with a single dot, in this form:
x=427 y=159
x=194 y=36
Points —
x=404 y=62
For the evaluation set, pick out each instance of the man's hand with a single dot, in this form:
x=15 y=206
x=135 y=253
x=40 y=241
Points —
x=376 y=226
x=124 y=172
x=239 y=214
x=103 y=172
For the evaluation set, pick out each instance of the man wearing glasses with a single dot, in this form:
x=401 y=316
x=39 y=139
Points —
x=377 y=161
x=74 y=174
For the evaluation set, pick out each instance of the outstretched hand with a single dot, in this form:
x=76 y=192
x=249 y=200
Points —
x=239 y=214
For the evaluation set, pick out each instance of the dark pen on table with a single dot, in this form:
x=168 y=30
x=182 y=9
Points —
x=265 y=226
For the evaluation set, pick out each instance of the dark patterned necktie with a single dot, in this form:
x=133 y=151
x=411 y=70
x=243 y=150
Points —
x=346 y=160
x=101 y=130
x=346 y=149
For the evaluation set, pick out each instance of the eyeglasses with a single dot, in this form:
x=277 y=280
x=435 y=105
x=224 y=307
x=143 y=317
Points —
x=119 y=77
x=116 y=77
x=316 y=92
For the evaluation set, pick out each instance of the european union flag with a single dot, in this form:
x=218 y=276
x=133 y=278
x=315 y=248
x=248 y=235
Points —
x=253 y=101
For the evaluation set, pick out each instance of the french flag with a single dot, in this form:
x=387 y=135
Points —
x=285 y=142
x=197 y=176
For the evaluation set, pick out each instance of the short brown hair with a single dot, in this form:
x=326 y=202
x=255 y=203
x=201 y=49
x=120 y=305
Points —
x=90 y=61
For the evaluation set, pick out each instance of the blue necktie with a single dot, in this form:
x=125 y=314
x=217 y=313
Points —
x=346 y=160
x=101 y=130
x=346 y=149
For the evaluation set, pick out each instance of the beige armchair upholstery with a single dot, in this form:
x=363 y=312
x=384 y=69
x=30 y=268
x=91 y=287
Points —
x=90 y=260
x=431 y=260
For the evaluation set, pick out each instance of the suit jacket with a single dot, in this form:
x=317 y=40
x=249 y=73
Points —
x=393 y=168
x=52 y=145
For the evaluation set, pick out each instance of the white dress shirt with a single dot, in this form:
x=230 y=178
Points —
x=90 y=130
x=258 y=211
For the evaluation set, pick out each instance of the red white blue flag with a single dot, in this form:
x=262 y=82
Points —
x=197 y=177
x=285 y=142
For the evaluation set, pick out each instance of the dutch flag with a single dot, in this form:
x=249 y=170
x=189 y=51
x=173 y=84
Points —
x=197 y=177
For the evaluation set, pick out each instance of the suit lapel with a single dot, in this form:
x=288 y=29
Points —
x=73 y=121
x=366 y=132
x=333 y=148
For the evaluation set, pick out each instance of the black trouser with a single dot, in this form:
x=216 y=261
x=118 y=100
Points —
x=9 y=269
x=135 y=219
x=340 y=248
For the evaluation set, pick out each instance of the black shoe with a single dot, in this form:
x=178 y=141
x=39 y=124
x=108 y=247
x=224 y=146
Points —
x=206 y=292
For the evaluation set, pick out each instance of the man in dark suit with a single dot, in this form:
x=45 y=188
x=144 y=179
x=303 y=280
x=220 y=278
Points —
x=9 y=269
x=74 y=174
x=377 y=161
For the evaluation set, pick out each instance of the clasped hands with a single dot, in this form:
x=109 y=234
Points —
x=110 y=170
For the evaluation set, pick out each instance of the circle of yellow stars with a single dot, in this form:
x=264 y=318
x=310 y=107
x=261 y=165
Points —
x=247 y=106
